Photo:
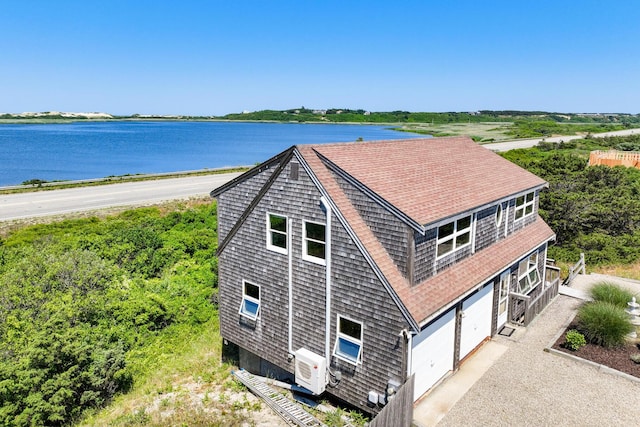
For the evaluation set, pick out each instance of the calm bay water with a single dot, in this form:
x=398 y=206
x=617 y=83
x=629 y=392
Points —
x=84 y=150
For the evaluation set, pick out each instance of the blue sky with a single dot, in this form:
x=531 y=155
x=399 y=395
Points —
x=216 y=57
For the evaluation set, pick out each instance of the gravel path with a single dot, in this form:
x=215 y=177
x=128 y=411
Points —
x=530 y=387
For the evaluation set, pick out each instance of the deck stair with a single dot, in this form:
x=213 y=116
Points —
x=293 y=413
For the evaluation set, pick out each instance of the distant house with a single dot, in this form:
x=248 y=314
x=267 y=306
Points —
x=348 y=268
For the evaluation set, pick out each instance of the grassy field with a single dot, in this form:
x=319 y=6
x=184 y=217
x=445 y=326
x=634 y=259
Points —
x=481 y=132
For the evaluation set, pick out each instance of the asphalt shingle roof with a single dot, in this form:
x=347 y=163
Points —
x=430 y=179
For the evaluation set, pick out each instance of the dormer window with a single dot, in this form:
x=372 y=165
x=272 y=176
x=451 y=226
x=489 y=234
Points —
x=524 y=205
x=453 y=236
x=499 y=213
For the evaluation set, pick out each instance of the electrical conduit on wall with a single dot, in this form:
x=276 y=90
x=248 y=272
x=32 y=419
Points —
x=327 y=344
x=290 y=326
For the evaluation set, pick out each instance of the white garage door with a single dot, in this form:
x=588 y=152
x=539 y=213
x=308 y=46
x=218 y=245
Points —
x=432 y=353
x=476 y=319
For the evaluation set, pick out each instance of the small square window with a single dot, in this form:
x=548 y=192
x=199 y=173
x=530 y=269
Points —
x=446 y=230
x=277 y=233
x=315 y=241
x=250 y=305
x=348 y=345
x=524 y=205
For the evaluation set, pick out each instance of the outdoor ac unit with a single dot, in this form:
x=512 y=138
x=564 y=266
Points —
x=311 y=371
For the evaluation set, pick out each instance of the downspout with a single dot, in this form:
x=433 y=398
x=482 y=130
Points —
x=409 y=343
x=327 y=302
x=289 y=238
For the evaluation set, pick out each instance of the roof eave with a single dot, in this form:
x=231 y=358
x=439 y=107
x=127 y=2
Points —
x=250 y=173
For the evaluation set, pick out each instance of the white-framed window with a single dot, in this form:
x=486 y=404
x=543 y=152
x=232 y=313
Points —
x=524 y=205
x=277 y=233
x=348 y=345
x=314 y=242
x=250 y=305
x=499 y=215
x=453 y=236
x=528 y=275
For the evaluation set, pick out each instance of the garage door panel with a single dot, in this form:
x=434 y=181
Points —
x=476 y=320
x=432 y=353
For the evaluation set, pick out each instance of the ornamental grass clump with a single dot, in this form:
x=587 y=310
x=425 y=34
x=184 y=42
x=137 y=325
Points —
x=604 y=324
x=611 y=293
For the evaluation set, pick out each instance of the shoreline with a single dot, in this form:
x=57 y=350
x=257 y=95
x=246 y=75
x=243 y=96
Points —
x=57 y=185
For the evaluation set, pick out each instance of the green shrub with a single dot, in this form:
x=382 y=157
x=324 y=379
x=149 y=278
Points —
x=89 y=307
x=604 y=324
x=575 y=340
x=611 y=293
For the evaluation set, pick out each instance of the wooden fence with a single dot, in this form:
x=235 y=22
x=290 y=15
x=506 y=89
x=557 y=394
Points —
x=615 y=158
x=574 y=270
x=524 y=308
x=399 y=409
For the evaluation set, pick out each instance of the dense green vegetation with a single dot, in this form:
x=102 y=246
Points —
x=522 y=124
x=90 y=306
x=361 y=116
x=595 y=210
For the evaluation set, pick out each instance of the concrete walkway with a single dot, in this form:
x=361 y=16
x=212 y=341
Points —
x=513 y=381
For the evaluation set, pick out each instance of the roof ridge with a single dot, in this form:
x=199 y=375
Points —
x=429 y=179
x=390 y=141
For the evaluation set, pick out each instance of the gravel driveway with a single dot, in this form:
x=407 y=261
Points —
x=530 y=387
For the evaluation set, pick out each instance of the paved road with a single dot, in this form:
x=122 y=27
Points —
x=57 y=202
x=526 y=143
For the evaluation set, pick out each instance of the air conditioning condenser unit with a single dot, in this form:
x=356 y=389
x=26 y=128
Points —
x=311 y=371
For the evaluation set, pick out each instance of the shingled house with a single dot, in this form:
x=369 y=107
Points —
x=351 y=267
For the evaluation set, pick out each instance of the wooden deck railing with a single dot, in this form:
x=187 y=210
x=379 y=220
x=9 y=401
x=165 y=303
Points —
x=574 y=270
x=524 y=308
